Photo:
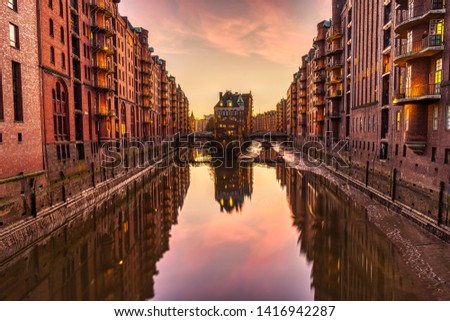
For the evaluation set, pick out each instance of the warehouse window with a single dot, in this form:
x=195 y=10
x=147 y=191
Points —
x=14 y=36
x=17 y=91
x=12 y=4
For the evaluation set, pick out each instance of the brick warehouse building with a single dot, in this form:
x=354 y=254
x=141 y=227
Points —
x=20 y=111
x=387 y=69
x=233 y=119
x=89 y=85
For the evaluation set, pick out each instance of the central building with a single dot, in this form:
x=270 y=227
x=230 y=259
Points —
x=233 y=117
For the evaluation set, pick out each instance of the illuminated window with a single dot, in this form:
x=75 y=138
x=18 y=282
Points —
x=398 y=121
x=438 y=76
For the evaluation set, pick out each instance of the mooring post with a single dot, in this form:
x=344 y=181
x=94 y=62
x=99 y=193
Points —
x=441 y=203
x=367 y=173
x=393 y=184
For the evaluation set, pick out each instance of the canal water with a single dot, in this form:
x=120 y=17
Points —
x=252 y=232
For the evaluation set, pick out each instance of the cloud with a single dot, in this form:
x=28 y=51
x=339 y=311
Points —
x=270 y=29
x=214 y=45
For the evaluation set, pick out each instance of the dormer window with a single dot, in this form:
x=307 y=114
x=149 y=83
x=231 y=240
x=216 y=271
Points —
x=230 y=103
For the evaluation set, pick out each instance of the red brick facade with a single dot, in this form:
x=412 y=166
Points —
x=20 y=122
x=386 y=93
x=90 y=86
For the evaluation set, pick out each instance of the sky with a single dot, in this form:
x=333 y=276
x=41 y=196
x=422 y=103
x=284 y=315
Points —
x=239 y=45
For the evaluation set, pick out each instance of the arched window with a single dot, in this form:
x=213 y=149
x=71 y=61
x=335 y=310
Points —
x=60 y=113
x=61 y=32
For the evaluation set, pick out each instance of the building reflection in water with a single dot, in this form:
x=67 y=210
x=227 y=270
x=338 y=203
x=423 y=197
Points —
x=233 y=184
x=350 y=258
x=109 y=253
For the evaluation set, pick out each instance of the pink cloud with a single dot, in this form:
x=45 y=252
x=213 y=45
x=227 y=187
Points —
x=275 y=30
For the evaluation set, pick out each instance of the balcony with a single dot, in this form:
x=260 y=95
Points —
x=318 y=40
x=74 y=5
x=76 y=53
x=147 y=94
x=319 y=78
x=427 y=47
x=319 y=103
x=102 y=67
x=418 y=94
x=386 y=69
x=320 y=117
x=302 y=94
x=334 y=64
x=318 y=68
x=334 y=80
x=387 y=17
x=334 y=94
x=101 y=46
x=102 y=85
x=318 y=92
x=146 y=72
x=419 y=14
x=103 y=112
x=319 y=55
x=103 y=28
x=335 y=50
x=334 y=33
x=102 y=6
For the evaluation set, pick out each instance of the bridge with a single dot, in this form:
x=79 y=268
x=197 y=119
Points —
x=266 y=136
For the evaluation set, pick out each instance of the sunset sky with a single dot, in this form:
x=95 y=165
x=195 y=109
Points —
x=238 y=45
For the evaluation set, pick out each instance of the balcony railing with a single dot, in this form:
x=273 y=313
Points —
x=104 y=85
x=334 y=33
x=75 y=28
x=102 y=46
x=421 y=92
x=334 y=94
x=103 y=28
x=418 y=11
x=103 y=6
x=102 y=66
x=334 y=80
x=334 y=63
x=74 y=4
x=415 y=47
x=318 y=92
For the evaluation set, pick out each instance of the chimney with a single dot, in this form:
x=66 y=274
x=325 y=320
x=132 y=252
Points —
x=220 y=95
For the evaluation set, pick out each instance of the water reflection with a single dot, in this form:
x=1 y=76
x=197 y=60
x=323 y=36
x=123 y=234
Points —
x=296 y=240
x=107 y=254
x=232 y=186
x=350 y=258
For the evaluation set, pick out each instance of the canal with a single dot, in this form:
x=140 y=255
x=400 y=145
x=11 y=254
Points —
x=253 y=232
